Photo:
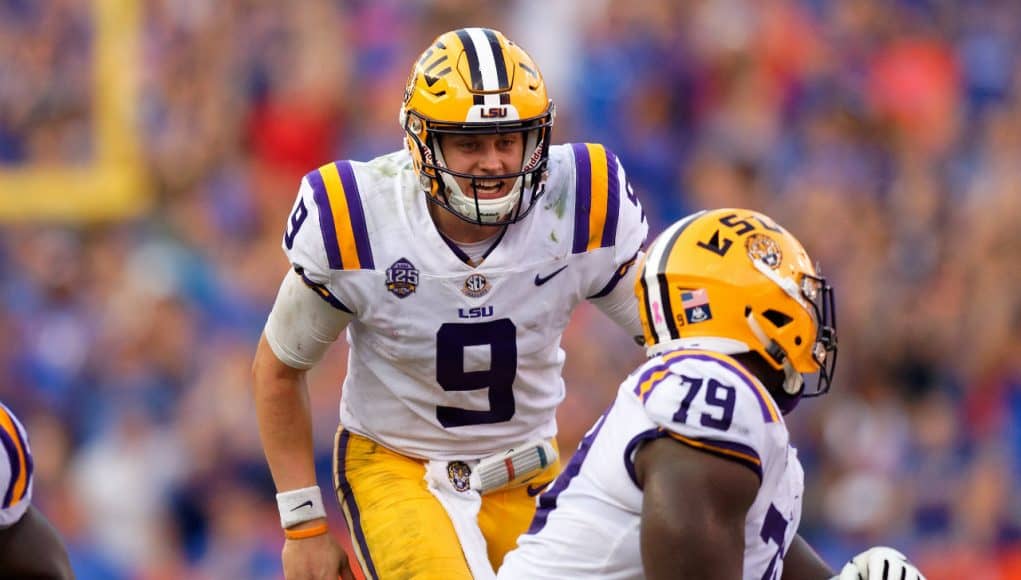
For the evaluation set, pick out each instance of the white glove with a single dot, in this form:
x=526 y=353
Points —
x=880 y=563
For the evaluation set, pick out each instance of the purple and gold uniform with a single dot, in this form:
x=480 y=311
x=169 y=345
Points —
x=450 y=360
x=454 y=265
x=588 y=521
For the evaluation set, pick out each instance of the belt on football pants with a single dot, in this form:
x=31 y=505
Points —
x=509 y=468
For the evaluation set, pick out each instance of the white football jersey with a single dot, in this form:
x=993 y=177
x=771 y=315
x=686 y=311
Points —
x=450 y=361
x=15 y=468
x=587 y=523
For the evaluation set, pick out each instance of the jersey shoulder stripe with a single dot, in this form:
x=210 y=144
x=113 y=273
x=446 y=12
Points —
x=597 y=197
x=341 y=216
x=19 y=458
x=743 y=454
x=655 y=375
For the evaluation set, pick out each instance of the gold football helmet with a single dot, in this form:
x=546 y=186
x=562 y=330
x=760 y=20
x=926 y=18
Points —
x=733 y=281
x=476 y=81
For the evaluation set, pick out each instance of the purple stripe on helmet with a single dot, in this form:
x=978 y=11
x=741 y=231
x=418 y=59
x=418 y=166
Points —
x=352 y=505
x=326 y=225
x=547 y=501
x=29 y=465
x=357 y=214
x=15 y=466
x=612 y=201
x=582 y=196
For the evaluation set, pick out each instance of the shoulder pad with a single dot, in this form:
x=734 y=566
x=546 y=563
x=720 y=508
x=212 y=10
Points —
x=341 y=216
x=597 y=197
x=607 y=212
x=709 y=401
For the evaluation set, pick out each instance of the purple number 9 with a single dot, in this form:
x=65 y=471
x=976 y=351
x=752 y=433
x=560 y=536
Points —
x=297 y=218
x=721 y=396
x=451 y=340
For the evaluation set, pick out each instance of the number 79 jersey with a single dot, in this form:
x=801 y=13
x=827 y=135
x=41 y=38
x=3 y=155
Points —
x=588 y=521
x=449 y=360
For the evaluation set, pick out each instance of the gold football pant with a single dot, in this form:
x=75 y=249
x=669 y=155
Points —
x=400 y=530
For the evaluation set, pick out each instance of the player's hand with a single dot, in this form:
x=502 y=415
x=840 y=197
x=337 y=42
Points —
x=316 y=558
x=878 y=563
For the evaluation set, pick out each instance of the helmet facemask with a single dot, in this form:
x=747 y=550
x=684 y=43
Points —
x=440 y=181
x=815 y=296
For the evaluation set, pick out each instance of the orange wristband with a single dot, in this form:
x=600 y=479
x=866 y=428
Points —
x=306 y=533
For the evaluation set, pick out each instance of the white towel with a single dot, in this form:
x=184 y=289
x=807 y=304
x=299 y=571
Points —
x=463 y=509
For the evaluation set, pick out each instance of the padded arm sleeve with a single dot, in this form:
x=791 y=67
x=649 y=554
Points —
x=302 y=326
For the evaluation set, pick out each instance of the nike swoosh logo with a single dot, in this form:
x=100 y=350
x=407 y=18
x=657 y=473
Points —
x=298 y=507
x=540 y=280
x=534 y=490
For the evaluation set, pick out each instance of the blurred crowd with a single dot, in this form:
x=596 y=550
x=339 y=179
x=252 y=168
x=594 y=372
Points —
x=886 y=135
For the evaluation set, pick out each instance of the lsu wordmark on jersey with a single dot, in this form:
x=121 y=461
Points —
x=451 y=360
x=588 y=521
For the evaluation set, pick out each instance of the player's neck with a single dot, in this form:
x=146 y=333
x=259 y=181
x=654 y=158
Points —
x=458 y=230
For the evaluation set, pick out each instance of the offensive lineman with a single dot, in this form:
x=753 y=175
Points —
x=454 y=264
x=690 y=472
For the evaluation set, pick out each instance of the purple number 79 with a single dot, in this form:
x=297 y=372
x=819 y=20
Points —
x=717 y=395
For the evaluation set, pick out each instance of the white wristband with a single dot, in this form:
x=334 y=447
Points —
x=300 y=505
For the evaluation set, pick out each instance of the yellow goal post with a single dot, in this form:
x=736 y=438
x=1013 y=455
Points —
x=112 y=185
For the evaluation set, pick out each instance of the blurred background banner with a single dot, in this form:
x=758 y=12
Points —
x=150 y=151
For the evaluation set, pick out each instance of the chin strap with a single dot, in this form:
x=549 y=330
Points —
x=793 y=382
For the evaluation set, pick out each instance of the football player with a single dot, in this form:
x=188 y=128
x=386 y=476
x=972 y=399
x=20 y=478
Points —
x=454 y=265
x=690 y=473
x=29 y=545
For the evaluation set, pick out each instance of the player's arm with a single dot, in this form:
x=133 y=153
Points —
x=31 y=548
x=305 y=320
x=613 y=289
x=617 y=299
x=298 y=332
x=285 y=424
x=802 y=563
x=300 y=329
x=693 y=511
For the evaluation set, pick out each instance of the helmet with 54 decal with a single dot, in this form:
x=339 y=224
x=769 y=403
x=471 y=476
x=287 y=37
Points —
x=733 y=281
x=474 y=81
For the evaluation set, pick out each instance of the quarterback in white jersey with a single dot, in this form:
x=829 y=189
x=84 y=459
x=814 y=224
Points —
x=454 y=266
x=29 y=546
x=691 y=466
x=451 y=360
